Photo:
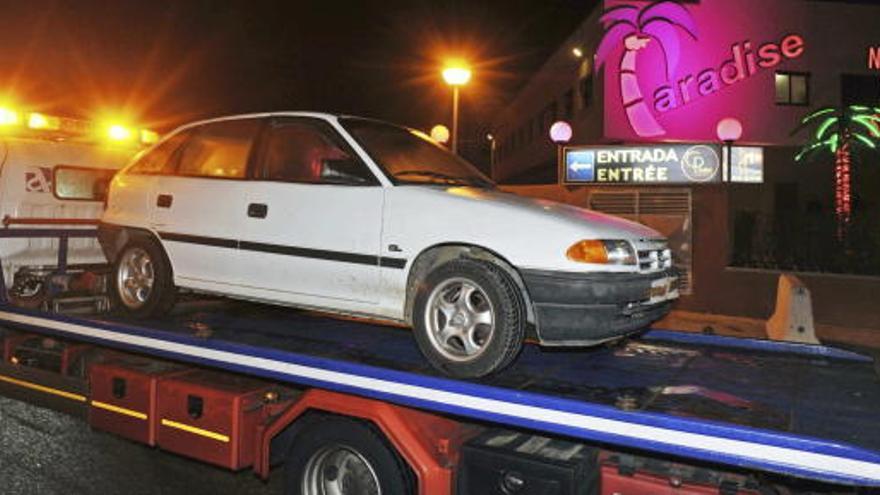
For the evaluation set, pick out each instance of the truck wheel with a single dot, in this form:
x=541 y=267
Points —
x=342 y=456
x=468 y=318
x=142 y=284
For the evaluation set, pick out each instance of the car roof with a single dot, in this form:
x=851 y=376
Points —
x=321 y=115
x=283 y=113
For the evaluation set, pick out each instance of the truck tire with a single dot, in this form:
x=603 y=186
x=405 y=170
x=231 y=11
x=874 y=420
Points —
x=469 y=318
x=142 y=285
x=338 y=455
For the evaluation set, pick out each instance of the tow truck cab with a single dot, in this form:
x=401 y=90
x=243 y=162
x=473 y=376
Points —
x=53 y=171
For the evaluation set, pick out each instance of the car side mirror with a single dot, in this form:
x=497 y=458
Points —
x=343 y=171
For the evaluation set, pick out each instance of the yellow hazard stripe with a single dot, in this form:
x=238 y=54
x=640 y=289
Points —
x=119 y=410
x=43 y=388
x=197 y=431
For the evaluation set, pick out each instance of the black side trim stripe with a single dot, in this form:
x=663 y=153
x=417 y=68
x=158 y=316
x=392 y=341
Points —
x=198 y=239
x=392 y=262
x=322 y=254
x=362 y=259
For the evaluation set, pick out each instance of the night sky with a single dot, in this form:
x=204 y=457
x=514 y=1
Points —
x=163 y=63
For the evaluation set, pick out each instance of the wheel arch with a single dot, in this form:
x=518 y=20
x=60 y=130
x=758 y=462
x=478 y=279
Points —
x=113 y=238
x=434 y=256
x=421 y=439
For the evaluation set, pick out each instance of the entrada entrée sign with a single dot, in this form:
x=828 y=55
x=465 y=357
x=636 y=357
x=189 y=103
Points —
x=652 y=165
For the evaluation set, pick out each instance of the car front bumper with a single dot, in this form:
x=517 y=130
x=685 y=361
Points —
x=579 y=309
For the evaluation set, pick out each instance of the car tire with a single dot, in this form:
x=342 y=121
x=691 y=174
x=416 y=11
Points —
x=334 y=454
x=450 y=318
x=142 y=284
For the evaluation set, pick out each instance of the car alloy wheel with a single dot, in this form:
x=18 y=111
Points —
x=135 y=277
x=460 y=319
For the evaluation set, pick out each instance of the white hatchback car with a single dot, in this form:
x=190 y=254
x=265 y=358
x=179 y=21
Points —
x=361 y=217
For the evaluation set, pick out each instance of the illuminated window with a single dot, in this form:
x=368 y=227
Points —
x=792 y=88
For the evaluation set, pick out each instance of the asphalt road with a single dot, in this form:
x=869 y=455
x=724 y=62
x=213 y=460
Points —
x=43 y=452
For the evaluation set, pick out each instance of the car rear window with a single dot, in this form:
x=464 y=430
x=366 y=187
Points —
x=158 y=160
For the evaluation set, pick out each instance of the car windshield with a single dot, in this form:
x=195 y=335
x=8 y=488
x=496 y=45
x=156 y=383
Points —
x=411 y=157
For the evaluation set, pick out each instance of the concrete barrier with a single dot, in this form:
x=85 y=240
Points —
x=792 y=320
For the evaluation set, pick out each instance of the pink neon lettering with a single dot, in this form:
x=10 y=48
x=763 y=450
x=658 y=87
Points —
x=743 y=63
x=874 y=57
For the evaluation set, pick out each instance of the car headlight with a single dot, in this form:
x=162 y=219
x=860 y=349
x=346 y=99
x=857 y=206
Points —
x=602 y=252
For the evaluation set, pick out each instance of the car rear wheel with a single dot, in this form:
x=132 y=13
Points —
x=468 y=318
x=142 y=284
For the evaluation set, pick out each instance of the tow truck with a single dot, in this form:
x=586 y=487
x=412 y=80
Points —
x=348 y=406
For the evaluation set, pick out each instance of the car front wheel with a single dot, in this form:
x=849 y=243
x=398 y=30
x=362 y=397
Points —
x=469 y=318
x=142 y=280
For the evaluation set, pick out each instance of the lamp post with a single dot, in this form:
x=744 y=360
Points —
x=491 y=140
x=456 y=76
x=560 y=134
x=728 y=131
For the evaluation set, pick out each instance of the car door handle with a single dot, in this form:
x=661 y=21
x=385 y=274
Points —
x=258 y=210
x=164 y=200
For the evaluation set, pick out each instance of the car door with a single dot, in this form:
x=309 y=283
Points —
x=313 y=231
x=200 y=211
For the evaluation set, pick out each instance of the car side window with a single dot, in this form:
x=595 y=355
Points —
x=311 y=152
x=159 y=160
x=219 y=149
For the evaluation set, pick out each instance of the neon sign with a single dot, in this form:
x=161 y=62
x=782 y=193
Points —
x=673 y=69
x=745 y=63
x=635 y=27
x=874 y=57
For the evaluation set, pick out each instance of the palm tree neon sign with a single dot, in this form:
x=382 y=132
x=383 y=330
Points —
x=636 y=27
x=839 y=130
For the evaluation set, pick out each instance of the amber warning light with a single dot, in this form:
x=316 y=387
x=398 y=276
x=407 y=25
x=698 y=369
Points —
x=36 y=123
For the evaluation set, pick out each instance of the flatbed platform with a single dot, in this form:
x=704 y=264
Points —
x=806 y=411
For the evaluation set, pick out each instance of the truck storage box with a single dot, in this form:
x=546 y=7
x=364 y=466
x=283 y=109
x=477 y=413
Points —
x=123 y=395
x=211 y=416
x=630 y=475
x=47 y=354
x=502 y=462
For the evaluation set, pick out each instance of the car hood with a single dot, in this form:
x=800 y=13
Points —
x=599 y=224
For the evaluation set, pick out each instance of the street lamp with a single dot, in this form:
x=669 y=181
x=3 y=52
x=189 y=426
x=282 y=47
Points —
x=728 y=130
x=456 y=76
x=491 y=139
x=560 y=134
x=440 y=133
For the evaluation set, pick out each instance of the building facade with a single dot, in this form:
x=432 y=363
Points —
x=638 y=77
